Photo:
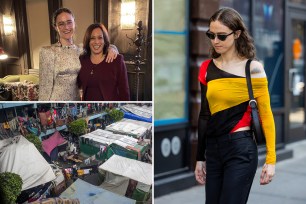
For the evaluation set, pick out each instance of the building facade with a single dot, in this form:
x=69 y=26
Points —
x=279 y=30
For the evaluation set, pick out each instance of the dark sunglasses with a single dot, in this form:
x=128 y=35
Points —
x=221 y=37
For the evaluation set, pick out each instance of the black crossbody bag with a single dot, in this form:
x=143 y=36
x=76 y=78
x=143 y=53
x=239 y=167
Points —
x=255 y=123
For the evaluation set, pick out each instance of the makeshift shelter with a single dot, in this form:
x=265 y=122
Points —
x=142 y=111
x=103 y=144
x=133 y=128
x=21 y=157
x=52 y=142
x=132 y=116
x=120 y=170
x=135 y=112
x=90 y=194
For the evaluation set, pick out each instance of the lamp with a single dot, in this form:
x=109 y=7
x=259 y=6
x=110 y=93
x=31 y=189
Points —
x=128 y=9
x=3 y=55
x=8 y=25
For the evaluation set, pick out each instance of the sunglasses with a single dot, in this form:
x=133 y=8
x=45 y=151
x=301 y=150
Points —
x=221 y=37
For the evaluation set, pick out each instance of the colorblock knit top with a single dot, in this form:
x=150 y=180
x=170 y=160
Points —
x=224 y=107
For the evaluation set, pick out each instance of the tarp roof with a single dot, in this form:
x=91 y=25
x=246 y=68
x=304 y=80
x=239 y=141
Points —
x=142 y=111
x=19 y=156
x=90 y=194
x=130 y=127
x=133 y=169
x=107 y=138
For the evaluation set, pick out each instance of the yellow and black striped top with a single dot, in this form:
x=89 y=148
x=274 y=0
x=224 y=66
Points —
x=226 y=97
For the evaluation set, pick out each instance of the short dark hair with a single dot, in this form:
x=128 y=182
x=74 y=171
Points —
x=232 y=19
x=58 y=12
x=87 y=37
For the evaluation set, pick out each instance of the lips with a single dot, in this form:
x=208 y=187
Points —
x=96 y=47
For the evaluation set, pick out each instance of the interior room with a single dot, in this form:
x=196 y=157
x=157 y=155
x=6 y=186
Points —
x=25 y=27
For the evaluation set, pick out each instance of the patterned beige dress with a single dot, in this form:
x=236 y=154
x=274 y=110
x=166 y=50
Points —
x=58 y=70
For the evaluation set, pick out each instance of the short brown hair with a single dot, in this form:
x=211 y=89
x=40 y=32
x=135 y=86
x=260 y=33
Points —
x=232 y=19
x=87 y=37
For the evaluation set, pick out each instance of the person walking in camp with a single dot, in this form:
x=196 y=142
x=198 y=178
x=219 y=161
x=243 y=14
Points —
x=227 y=154
x=59 y=63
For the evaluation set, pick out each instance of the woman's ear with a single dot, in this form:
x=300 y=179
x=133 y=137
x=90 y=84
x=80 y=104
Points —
x=237 y=34
x=55 y=28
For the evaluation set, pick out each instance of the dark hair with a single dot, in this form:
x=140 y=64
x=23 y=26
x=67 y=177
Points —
x=58 y=12
x=87 y=37
x=232 y=19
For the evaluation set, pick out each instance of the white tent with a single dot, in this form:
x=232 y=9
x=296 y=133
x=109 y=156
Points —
x=90 y=194
x=126 y=168
x=19 y=156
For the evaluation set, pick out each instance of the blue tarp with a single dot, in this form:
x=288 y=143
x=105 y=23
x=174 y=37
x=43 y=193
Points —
x=90 y=194
x=136 y=117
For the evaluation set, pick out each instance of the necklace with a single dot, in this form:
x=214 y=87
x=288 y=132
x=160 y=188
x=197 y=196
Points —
x=92 y=69
x=59 y=44
x=96 y=63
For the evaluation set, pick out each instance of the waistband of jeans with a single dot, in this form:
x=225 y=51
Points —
x=230 y=136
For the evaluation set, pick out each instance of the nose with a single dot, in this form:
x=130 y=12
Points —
x=216 y=40
x=96 y=40
x=66 y=25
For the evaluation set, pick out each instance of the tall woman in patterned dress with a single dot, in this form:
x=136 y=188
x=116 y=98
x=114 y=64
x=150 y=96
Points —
x=227 y=153
x=59 y=63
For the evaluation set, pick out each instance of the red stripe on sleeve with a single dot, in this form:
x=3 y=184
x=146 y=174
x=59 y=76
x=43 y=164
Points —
x=202 y=73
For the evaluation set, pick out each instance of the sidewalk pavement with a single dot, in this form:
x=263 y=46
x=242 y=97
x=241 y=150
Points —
x=287 y=187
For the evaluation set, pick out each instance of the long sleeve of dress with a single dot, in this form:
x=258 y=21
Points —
x=202 y=124
x=46 y=73
x=123 y=84
x=268 y=124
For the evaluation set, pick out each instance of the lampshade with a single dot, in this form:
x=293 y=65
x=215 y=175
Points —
x=128 y=10
x=3 y=55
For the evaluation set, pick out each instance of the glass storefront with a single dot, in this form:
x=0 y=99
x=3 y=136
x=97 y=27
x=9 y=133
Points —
x=298 y=1
x=296 y=75
x=242 y=6
x=269 y=41
x=170 y=62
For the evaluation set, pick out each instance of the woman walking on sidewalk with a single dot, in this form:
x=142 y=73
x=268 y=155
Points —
x=227 y=155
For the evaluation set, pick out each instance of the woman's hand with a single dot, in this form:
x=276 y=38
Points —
x=111 y=54
x=200 y=172
x=267 y=173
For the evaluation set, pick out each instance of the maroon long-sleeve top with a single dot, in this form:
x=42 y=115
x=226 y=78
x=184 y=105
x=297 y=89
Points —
x=104 y=81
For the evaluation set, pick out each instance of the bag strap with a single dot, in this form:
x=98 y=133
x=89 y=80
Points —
x=253 y=102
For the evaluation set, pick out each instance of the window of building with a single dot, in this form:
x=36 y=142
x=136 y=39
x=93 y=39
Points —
x=269 y=41
x=242 y=6
x=299 y=1
x=170 y=62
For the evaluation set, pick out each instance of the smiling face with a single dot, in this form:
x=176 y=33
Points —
x=221 y=47
x=96 y=42
x=65 y=26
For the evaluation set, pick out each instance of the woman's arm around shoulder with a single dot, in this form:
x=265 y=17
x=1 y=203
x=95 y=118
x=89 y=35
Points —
x=257 y=69
x=112 y=53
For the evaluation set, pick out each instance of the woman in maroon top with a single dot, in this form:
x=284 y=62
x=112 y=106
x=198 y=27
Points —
x=98 y=80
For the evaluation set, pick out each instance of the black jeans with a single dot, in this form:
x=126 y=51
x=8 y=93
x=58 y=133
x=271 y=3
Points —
x=231 y=163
